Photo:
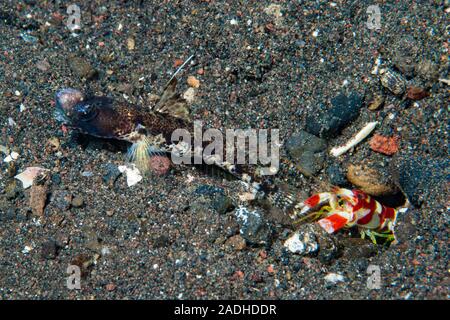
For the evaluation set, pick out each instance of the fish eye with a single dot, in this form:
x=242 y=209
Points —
x=86 y=111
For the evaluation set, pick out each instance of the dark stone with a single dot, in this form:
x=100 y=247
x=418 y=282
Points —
x=7 y=212
x=303 y=141
x=310 y=163
x=253 y=226
x=357 y=248
x=419 y=177
x=307 y=152
x=49 y=250
x=56 y=178
x=328 y=123
x=222 y=204
x=112 y=173
x=336 y=175
x=161 y=242
x=208 y=190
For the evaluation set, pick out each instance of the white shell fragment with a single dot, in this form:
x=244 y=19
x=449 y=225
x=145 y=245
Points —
x=132 y=173
x=334 y=278
x=11 y=157
x=28 y=175
x=360 y=136
x=11 y=122
x=301 y=243
x=27 y=249
x=247 y=196
x=189 y=95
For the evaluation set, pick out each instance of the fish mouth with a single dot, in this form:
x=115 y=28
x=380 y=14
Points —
x=61 y=116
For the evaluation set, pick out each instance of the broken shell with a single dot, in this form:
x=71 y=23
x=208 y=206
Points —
x=334 y=278
x=132 y=173
x=302 y=243
x=360 y=136
x=131 y=44
x=11 y=157
x=393 y=81
x=28 y=175
x=189 y=95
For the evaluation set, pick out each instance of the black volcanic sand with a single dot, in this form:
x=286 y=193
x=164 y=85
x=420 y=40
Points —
x=164 y=239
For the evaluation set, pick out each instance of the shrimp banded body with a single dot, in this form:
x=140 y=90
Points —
x=344 y=208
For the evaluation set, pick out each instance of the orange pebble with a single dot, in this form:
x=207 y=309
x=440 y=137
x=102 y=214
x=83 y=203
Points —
x=385 y=145
x=193 y=82
x=177 y=63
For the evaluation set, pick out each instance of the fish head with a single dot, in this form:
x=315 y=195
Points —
x=96 y=116
x=66 y=100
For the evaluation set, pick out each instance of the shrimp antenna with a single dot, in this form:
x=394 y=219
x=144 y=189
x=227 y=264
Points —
x=179 y=69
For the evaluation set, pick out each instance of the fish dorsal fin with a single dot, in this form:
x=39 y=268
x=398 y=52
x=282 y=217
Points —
x=171 y=103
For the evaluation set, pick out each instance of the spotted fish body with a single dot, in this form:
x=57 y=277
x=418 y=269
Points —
x=107 y=118
x=149 y=131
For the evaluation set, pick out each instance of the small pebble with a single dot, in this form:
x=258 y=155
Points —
x=131 y=44
x=385 y=145
x=416 y=93
x=334 y=278
x=49 y=250
x=236 y=242
x=43 y=65
x=160 y=165
x=38 y=198
x=110 y=287
x=77 y=202
x=193 y=82
x=371 y=179
x=81 y=67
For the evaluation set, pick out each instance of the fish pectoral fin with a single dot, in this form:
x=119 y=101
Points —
x=171 y=103
x=142 y=150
